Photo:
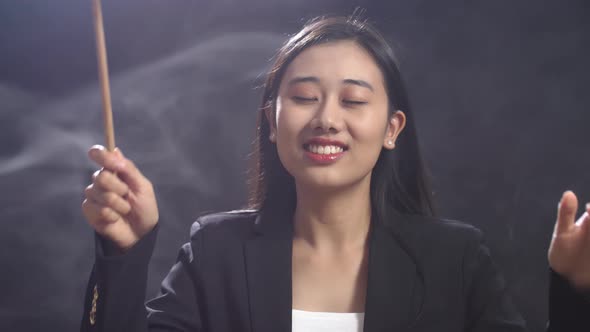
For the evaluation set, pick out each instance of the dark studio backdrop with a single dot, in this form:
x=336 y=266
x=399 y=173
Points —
x=500 y=90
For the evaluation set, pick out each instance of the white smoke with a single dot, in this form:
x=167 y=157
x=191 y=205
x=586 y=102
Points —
x=186 y=120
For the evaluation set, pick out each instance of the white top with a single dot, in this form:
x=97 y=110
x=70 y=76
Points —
x=309 y=321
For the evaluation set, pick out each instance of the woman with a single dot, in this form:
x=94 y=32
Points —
x=340 y=235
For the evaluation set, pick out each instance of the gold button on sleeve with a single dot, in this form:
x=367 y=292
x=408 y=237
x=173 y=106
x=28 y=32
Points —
x=93 y=309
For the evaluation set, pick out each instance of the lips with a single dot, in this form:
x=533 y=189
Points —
x=323 y=150
x=324 y=142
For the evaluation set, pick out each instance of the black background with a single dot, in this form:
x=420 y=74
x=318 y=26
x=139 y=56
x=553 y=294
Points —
x=500 y=89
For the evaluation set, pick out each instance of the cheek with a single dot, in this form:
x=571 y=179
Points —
x=368 y=132
x=290 y=122
x=368 y=142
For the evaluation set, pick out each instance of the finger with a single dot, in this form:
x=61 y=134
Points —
x=108 y=199
x=104 y=158
x=132 y=176
x=584 y=219
x=108 y=181
x=566 y=212
x=99 y=216
x=116 y=162
x=583 y=226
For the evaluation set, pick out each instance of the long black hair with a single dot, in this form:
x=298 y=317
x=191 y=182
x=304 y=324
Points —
x=399 y=181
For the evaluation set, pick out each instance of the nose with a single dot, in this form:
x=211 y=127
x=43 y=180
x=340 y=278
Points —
x=328 y=117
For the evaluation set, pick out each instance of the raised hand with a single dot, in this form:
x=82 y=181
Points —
x=569 y=252
x=120 y=202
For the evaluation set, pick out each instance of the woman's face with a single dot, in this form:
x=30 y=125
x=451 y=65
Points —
x=332 y=116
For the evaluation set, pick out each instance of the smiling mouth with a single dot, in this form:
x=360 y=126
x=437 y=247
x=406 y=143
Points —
x=324 y=149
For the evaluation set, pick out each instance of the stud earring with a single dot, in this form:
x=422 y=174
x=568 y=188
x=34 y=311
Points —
x=272 y=137
x=390 y=142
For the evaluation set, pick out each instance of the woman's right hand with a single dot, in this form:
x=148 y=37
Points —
x=120 y=202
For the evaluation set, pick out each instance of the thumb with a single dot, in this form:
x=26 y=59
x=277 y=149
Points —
x=118 y=152
x=128 y=171
x=566 y=212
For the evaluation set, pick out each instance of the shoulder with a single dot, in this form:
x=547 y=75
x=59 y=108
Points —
x=445 y=236
x=448 y=251
x=445 y=229
x=225 y=224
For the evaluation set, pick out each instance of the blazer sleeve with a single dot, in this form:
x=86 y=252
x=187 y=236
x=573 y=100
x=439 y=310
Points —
x=569 y=309
x=116 y=292
x=489 y=307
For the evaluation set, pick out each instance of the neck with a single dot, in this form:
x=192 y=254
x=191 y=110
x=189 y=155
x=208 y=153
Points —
x=333 y=220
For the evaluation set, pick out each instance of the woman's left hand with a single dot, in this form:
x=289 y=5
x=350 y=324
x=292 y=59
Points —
x=569 y=252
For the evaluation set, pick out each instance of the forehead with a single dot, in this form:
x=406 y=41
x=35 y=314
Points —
x=336 y=61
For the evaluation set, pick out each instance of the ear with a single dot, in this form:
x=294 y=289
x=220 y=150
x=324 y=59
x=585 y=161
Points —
x=269 y=114
x=396 y=124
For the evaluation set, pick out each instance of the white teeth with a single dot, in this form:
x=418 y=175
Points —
x=321 y=149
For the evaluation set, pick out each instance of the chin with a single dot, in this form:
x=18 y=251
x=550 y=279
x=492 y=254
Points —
x=320 y=181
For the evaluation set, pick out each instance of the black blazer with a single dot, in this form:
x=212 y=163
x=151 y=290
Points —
x=424 y=274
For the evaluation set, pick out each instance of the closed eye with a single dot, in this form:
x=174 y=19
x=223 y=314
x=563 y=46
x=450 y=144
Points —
x=300 y=99
x=354 y=102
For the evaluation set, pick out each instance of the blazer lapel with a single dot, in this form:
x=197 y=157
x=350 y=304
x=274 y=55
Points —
x=268 y=271
x=394 y=291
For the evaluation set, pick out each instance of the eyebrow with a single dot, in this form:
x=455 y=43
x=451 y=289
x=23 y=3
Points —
x=314 y=79
x=303 y=79
x=359 y=83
